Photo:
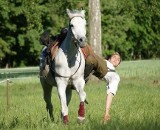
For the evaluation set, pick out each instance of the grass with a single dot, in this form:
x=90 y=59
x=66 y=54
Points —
x=135 y=107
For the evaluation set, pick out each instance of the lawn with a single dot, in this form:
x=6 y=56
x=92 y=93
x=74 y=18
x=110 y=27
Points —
x=135 y=107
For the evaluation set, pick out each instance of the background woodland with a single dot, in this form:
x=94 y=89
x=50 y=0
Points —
x=130 y=27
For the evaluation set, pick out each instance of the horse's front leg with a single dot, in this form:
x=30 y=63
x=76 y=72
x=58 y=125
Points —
x=61 y=86
x=68 y=96
x=79 y=85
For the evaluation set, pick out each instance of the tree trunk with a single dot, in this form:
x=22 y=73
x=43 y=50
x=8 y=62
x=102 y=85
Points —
x=95 y=26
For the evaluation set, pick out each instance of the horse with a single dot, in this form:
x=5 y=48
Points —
x=67 y=67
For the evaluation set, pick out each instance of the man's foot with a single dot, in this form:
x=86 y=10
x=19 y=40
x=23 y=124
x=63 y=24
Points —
x=45 y=38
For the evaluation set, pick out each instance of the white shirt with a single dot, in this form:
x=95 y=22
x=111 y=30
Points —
x=112 y=79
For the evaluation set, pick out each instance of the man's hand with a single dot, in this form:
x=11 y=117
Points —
x=106 y=118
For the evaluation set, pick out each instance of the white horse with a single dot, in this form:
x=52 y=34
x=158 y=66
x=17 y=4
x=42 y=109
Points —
x=68 y=66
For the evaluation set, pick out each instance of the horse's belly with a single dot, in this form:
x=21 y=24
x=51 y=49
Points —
x=47 y=76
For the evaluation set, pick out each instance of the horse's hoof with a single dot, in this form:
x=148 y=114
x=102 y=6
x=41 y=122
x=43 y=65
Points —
x=52 y=119
x=65 y=120
x=80 y=120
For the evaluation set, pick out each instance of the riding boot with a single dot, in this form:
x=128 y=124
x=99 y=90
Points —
x=88 y=71
x=45 y=38
x=64 y=31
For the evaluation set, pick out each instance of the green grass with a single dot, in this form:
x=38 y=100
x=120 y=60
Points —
x=135 y=107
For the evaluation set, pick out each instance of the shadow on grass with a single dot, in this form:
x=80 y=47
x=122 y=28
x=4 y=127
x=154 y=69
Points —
x=89 y=124
x=118 y=124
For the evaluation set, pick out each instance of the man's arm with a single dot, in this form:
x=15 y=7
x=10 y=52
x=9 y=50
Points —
x=108 y=106
x=113 y=80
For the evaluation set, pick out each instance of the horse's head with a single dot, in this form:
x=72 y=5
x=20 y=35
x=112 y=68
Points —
x=77 y=26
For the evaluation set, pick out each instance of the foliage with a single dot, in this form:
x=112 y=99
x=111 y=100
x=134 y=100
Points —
x=20 y=27
x=129 y=27
x=21 y=24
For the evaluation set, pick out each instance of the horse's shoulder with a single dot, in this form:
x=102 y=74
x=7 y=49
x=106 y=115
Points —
x=56 y=44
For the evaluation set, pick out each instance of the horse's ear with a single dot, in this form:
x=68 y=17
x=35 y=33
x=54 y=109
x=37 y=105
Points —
x=69 y=13
x=82 y=8
x=83 y=13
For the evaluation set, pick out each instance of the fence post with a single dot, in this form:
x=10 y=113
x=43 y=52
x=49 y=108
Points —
x=7 y=95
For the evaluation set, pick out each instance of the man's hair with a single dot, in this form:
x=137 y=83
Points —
x=115 y=53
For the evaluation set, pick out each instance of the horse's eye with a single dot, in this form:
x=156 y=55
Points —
x=71 y=25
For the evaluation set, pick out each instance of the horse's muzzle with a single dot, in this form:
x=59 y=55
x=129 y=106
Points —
x=82 y=41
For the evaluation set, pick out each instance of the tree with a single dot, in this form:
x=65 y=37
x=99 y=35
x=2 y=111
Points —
x=116 y=21
x=95 y=26
x=142 y=33
x=130 y=27
x=21 y=24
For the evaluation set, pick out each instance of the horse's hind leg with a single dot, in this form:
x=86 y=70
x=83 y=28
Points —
x=47 y=92
x=68 y=95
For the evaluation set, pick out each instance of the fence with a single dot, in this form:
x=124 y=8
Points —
x=6 y=75
x=18 y=72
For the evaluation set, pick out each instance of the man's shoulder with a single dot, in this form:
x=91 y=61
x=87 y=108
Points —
x=110 y=65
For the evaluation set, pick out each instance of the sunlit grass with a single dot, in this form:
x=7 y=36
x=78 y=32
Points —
x=135 y=107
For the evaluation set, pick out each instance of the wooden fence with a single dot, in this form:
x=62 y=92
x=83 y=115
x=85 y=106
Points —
x=6 y=75
x=18 y=72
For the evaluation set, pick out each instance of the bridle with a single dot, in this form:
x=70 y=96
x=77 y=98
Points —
x=70 y=27
x=73 y=18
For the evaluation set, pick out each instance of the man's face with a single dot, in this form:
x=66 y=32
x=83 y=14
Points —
x=115 y=60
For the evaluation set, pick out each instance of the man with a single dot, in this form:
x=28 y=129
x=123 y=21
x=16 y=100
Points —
x=113 y=81
x=98 y=66
x=105 y=69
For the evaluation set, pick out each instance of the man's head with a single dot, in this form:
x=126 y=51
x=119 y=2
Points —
x=115 y=59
